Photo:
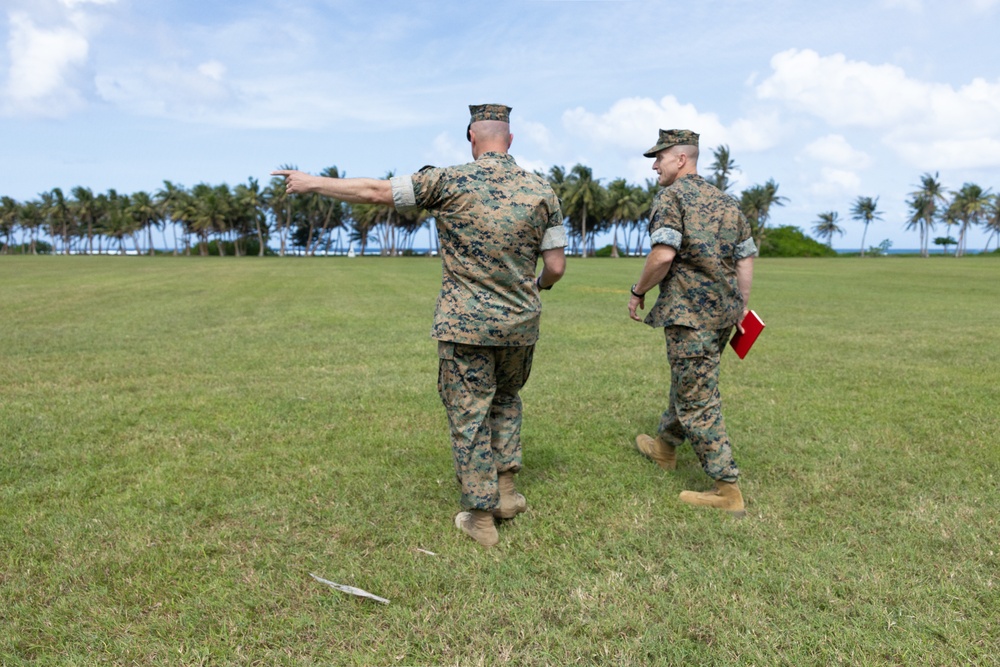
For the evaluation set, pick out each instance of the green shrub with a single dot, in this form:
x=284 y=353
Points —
x=606 y=251
x=789 y=241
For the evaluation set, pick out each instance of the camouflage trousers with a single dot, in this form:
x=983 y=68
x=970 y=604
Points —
x=479 y=387
x=695 y=411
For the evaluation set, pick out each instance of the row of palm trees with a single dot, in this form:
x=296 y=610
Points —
x=930 y=204
x=205 y=218
x=250 y=218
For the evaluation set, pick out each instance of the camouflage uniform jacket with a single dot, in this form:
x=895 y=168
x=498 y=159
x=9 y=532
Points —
x=493 y=219
x=710 y=233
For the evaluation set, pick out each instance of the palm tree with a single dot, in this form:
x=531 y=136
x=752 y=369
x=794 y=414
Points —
x=209 y=213
x=87 y=209
x=625 y=204
x=722 y=167
x=364 y=218
x=118 y=222
x=826 y=226
x=330 y=211
x=252 y=203
x=57 y=212
x=923 y=208
x=756 y=203
x=641 y=224
x=31 y=219
x=865 y=209
x=970 y=205
x=583 y=197
x=170 y=199
x=992 y=221
x=146 y=215
x=280 y=204
x=9 y=214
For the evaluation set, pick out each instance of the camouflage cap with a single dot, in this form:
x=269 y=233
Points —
x=669 y=138
x=487 y=112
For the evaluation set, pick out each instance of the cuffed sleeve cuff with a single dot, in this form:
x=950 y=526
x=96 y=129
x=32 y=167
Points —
x=402 y=194
x=666 y=236
x=746 y=249
x=555 y=237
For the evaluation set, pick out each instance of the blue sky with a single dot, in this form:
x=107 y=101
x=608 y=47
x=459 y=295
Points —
x=831 y=100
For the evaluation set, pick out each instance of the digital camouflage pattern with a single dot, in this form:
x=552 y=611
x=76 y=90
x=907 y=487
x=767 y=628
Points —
x=479 y=387
x=709 y=232
x=695 y=411
x=671 y=138
x=698 y=305
x=478 y=112
x=493 y=220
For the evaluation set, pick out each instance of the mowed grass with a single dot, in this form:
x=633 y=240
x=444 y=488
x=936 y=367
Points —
x=184 y=440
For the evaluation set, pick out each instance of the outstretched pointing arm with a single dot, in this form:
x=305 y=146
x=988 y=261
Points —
x=351 y=190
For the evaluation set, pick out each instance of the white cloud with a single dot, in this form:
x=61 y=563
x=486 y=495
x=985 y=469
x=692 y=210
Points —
x=48 y=47
x=631 y=124
x=834 y=150
x=42 y=62
x=446 y=151
x=962 y=124
x=73 y=4
x=534 y=133
x=915 y=6
x=840 y=91
x=835 y=182
x=199 y=93
x=212 y=69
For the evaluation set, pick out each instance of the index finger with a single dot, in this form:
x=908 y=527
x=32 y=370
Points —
x=281 y=172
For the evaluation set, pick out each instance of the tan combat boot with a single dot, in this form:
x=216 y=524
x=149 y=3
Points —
x=478 y=524
x=725 y=496
x=656 y=450
x=512 y=503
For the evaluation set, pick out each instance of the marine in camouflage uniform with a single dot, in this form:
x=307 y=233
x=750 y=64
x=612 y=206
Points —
x=494 y=221
x=702 y=258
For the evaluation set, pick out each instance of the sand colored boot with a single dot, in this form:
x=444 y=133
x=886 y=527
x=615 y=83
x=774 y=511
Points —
x=512 y=503
x=725 y=496
x=656 y=450
x=478 y=524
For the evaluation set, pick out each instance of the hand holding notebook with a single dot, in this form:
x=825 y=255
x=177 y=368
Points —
x=742 y=342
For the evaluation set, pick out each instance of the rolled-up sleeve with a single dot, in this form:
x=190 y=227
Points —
x=403 y=196
x=554 y=237
x=746 y=249
x=666 y=236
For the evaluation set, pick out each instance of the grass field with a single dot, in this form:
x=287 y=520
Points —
x=184 y=440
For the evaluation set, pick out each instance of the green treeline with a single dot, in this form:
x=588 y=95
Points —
x=249 y=219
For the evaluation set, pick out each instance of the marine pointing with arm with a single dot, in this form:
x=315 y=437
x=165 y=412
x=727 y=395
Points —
x=494 y=221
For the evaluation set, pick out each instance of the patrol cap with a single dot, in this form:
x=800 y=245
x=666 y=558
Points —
x=669 y=138
x=487 y=112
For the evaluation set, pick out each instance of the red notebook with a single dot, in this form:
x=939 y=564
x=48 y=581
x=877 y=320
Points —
x=742 y=342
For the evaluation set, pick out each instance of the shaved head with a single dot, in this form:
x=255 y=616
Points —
x=690 y=151
x=491 y=130
x=489 y=135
